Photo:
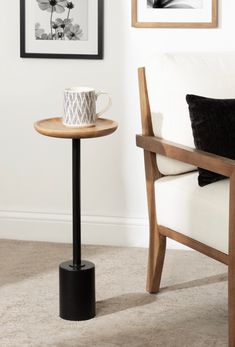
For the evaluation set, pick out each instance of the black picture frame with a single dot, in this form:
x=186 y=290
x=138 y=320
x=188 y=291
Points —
x=99 y=55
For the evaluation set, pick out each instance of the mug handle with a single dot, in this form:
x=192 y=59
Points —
x=106 y=107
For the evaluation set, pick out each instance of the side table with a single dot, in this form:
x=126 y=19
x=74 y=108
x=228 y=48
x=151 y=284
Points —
x=76 y=277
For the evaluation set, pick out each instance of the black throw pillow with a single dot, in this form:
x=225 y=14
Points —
x=213 y=124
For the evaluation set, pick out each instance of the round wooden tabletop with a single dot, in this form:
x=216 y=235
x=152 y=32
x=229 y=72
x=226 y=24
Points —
x=54 y=127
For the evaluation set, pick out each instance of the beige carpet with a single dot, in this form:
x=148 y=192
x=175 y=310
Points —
x=191 y=309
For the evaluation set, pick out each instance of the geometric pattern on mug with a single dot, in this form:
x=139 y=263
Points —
x=79 y=108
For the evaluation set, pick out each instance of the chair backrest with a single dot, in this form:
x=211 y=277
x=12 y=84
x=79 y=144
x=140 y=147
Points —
x=169 y=78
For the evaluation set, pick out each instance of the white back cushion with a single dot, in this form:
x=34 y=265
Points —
x=170 y=77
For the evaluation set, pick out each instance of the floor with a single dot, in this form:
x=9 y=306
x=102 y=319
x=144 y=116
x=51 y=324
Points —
x=191 y=309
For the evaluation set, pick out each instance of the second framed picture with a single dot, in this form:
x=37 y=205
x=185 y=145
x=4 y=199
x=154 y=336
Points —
x=62 y=29
x=174 y=13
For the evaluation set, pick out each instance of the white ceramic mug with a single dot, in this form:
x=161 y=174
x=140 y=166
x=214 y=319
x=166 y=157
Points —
x=80 y=106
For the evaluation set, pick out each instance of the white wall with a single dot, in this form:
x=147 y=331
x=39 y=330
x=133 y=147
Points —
x=35 y=171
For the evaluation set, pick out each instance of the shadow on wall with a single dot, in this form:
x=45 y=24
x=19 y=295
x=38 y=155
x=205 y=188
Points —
x=104 y=179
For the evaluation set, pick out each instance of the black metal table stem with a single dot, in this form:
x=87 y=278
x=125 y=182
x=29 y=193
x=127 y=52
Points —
x=76 y=202
x=77 y=277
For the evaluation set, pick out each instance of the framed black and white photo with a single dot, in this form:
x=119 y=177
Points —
x=174 y=13
x=61 y=29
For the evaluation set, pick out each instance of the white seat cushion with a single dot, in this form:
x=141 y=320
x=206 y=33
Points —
x=170 y=77
x=200 y=213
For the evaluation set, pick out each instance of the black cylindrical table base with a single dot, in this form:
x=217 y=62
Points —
x=77 y=291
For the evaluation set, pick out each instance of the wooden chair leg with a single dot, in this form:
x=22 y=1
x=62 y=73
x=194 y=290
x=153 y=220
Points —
x=231 y=305
x=157 y=248
x=231 y=264
x=157 y=242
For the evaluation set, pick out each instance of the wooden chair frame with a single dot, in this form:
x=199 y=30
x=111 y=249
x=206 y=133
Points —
x=157 y=240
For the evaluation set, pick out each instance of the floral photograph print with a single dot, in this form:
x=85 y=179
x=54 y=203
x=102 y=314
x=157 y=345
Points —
x=60 y=19
x=174 y=13
x=62 y=29
x=190 y=4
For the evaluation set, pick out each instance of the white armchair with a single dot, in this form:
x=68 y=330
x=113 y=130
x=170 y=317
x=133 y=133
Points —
x=200 y=218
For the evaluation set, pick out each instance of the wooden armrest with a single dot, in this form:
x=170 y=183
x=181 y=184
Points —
x=204 y=160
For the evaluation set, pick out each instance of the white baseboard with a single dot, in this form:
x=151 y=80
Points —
x=96 y=230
